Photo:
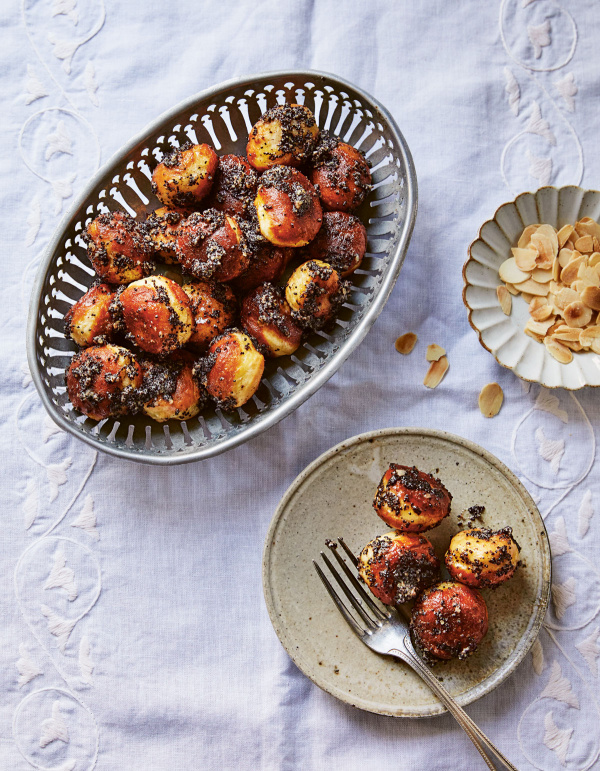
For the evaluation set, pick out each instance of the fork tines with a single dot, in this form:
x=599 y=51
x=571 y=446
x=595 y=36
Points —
x=364 y=607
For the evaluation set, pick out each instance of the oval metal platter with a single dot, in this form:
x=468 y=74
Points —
x=223 y=116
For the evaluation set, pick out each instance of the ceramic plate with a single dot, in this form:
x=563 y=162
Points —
x=333 y=497
x=501 y=335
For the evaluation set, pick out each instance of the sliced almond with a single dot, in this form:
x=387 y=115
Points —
x=541 y=276
x=563 y=293
x=556 y=269
x=536 y=302
x=569 y=274
x=549 y=232
x=539 y=327
x=405 y=343
x=591 y=297
x=504 y=299
x=558 y=351
x=533 y=287
x=490 y=400
x=572 y=345
x=588 y=226
x=593 y=331
x=585 y=244
x=545 y=260
x=564 y=234
x=510 y=273
x=577 y=314
x=564 y=257
x=435 y=373
x=562 y=327
x=511 y=289
x=555 y=287
x=590 y=269
x=525 y=258
x=567 y=334
x=583 y=266
x=589 y=276
x=565 y=297
x=543 y=313
x=434 y=352
x=526 y=236
x=537 y=338
x=588 y=335
x=546 y=242
x=586 y=283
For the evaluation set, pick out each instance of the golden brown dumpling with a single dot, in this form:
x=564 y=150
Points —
x=267 y=265
x=234 y=188
x=88 y=321
x=185 y=176
x=102 y=381
x=397 y=566
x=156 y=314
x=482 y=558
x=411 y=500
x=340 y=174
x=341 y=242
x=288 y=208
x=315 y=292
x=214 y=308
x=233 y=369
x=211 y=245
x=118 y=248
x=268 y=318
x=285 y=134
x=162 y=227
x=449 y=621
x=171 y=390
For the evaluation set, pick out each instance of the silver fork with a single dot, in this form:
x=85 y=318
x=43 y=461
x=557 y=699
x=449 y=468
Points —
x=383 y=630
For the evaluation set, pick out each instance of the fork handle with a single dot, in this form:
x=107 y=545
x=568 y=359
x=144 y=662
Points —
x=497 y=761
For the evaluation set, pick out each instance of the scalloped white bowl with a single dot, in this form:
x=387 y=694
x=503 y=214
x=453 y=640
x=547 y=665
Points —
x=501 y=335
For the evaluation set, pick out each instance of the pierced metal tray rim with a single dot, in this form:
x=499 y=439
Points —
x=264 y=421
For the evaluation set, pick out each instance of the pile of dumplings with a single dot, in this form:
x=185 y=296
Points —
x=449 y=618
x=229 y=228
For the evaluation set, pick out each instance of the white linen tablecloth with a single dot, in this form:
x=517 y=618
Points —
x=114 y=577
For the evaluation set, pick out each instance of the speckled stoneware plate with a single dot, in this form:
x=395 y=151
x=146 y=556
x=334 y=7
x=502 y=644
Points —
x=333 y=497
x=501 y=335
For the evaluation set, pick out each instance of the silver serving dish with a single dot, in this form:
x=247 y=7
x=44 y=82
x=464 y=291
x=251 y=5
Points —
x=223 y=116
